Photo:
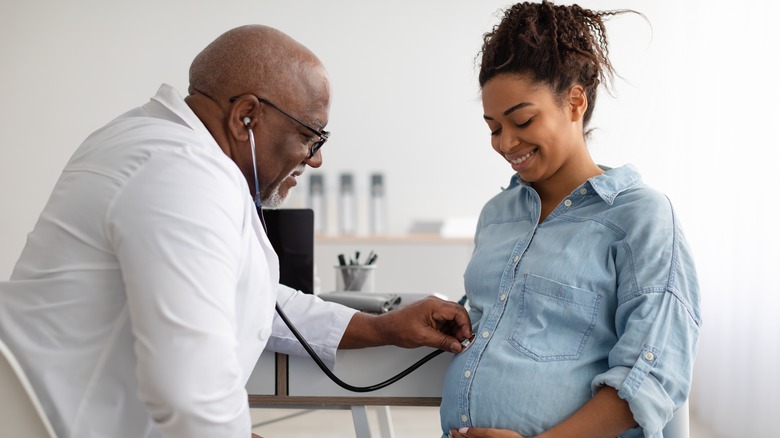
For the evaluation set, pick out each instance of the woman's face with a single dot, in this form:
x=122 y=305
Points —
x=537 y=133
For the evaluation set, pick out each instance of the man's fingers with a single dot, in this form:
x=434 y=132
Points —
x=463 y=323
x=455 y=318
x=431 y=322
x=448 y=343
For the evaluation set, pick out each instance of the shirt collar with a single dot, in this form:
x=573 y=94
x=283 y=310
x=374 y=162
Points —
x=613 y=182
x=608 y=185
x=178 y=110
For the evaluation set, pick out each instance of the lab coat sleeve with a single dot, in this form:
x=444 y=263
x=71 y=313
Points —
x=176 y=228
x=321 y=323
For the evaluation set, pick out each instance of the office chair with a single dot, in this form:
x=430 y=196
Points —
x=20 y=411
x=679 y=426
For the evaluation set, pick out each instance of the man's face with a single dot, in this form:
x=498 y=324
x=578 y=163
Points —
x=287 y=143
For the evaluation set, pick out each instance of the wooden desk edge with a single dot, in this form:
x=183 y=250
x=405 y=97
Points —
x=282 y=399
x=256 y=401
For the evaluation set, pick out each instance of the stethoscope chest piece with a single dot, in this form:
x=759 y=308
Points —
x=466 y=343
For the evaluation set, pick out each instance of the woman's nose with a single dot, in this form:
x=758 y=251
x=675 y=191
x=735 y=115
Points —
x=507 y=141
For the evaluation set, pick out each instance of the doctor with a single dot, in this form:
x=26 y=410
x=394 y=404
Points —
x=145 y=293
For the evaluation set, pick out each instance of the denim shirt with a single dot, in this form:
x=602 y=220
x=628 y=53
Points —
x=602 y=292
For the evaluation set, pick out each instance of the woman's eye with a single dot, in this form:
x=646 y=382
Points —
x=495 y=128
x=497 y=131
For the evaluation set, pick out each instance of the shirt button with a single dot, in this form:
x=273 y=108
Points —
x=502 y=297
x=485 y=334
x=583 y=191
x=516 y=258
x=464 y=418
x=567 y=202
x=264 y=334
x=467 y=373
x=649 y=356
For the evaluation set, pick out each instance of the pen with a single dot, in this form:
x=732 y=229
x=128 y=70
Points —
x=371 y=260
x=344 y=271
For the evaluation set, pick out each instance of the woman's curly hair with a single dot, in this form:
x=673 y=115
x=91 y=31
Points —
x=556 y=45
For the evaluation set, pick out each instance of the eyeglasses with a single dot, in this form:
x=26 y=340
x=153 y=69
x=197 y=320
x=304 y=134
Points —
x=322 y=134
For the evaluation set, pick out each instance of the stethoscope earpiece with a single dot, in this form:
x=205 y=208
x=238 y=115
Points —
x=247 y=120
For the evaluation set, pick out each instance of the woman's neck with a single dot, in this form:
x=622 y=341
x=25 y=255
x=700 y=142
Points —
x=555 y=189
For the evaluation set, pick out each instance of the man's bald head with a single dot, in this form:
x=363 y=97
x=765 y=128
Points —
x=264 y=70
x=253 y=59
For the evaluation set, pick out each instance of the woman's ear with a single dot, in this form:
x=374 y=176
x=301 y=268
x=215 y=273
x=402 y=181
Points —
x=578 y=102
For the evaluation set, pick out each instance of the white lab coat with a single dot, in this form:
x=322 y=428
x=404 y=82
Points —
x=145 y=293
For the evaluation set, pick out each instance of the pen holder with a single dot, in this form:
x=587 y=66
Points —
x=355 y=278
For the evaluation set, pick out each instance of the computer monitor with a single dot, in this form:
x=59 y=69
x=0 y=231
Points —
x=291 y=232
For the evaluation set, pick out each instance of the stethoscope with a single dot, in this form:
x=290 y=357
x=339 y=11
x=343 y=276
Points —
x=297 y=334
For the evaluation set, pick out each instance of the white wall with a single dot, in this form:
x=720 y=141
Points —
x=697 y=112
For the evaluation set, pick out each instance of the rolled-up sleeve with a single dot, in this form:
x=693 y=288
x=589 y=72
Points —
x=657 y=321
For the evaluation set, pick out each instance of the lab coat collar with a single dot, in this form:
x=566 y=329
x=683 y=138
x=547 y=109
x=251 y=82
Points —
x=171 y=100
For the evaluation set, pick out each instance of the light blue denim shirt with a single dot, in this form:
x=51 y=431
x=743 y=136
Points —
x=602 y=292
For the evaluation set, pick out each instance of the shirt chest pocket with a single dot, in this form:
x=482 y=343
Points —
x=554 y=320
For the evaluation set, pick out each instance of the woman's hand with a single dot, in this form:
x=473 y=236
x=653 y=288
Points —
x=481 y=432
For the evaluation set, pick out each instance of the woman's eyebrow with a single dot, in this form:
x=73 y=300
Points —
x=510 y=110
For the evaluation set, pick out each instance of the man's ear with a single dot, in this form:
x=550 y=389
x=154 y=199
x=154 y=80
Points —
x=578 y=102
x=242 y=115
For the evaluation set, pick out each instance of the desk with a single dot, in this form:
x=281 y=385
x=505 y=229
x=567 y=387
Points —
x=298 y=383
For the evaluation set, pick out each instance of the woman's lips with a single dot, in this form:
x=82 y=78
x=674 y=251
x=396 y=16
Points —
x=523 y=161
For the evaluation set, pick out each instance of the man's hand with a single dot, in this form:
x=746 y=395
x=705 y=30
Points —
x=430 y=322
x=479 y=432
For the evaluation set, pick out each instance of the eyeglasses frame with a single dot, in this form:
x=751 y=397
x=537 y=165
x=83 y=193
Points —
x=322 y=134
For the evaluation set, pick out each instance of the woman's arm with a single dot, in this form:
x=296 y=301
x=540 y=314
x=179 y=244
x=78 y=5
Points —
x=606 y=415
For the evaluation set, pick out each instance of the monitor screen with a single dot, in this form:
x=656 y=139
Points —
x=291 y=232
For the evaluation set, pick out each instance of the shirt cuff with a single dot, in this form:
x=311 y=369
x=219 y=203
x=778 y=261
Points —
x=322 y=324
x=650 y=405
